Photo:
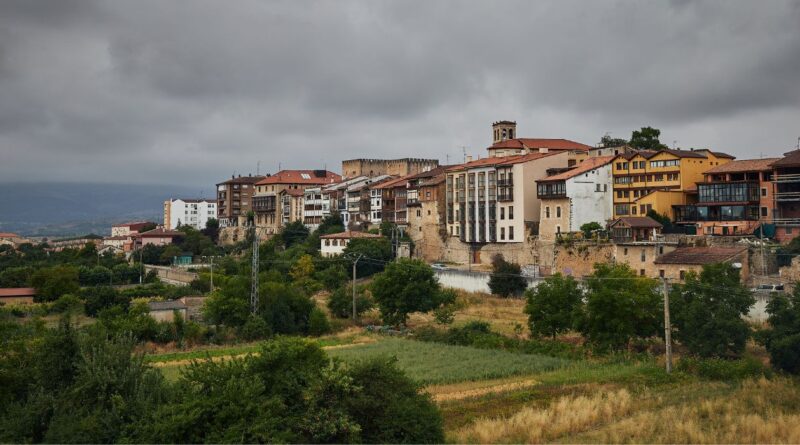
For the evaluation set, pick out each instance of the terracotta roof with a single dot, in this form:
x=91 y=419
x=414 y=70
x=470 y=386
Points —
x=8 y=235
x=699 y=255
x=17 y=292
x=133 y=223
x=534 y=143
x=243 y=179
x=585 y=166
x=500 y=160
x=790 y=159
x=430 y=173
x=647 y=154
x=320 y=177
x=391 y=183
x=349 y=234
x=718 y=154
x=639 y=222
x=161 y=233
x=743 y=165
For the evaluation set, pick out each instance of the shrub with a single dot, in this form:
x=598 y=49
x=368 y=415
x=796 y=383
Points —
x=782 y=339
x=318 y=323
x=553 y=305
x=255 y=328
x=340 y=302
x=444 y=315
x=102 y=297
x=720 y=369
x=67 y=303
x=506 y=279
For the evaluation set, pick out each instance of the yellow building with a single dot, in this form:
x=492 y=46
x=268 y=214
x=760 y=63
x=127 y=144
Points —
x=656 y=180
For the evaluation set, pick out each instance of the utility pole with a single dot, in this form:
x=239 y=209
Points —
x=354 y=285
x=141 y=264
x=667 y=327
x=212 y=273
x=254 y=272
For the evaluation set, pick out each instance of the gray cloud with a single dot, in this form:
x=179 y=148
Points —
x=189 y=91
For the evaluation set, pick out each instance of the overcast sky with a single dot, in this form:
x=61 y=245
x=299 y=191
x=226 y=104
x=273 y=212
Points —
x=188 y=92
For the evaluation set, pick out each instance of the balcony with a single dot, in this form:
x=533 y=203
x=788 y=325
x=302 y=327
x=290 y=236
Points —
x=264 y=204
x=505 y=182
x=787 y=178
x=783 y=222
x=505 y=197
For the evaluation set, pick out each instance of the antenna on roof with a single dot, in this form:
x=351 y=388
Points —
x=464 y=151
x=258 y=168
x=674 y=143
x=279 y=166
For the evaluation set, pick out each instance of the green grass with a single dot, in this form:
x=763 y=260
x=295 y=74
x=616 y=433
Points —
x=430 y=363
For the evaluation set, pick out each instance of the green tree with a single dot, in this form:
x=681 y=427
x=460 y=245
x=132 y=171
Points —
x=169 y=253
x=230 y=304
x=340 y=303
x=620 y=306
x=589 y=229
x=332 y=223
x=53 y=282
x=102 y=297
x=662 y=219
x=506 y=279
x=318 y=323
x=16 y=277
x=374 y=253
x=647 y=139
x=294 y=233
x=406 y=286
x=553 y=305
x=608 y=141
x=782 y=338
x=286 y=309
x=212 y=229
x=707 y=312
x=332 y=276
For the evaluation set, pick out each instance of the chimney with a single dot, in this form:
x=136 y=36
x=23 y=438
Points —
x=469 y=158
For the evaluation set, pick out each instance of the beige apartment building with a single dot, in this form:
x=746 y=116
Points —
x=235 y=199
x=278 y=199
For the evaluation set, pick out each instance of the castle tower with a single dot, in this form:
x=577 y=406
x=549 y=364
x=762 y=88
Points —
x=503 y=130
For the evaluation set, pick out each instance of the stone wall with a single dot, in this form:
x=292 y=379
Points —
x=231 y=235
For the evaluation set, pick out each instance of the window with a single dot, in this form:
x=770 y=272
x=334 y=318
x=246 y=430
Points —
x=661 y=250
x=644 y=256
x=502 y=213
x=641 y=272
x=558 y=229
x=605 y=187
x=502 y=233
x=763 y=192
x=510 y=232
x=625 y=251
x=558 y=211
x=633 y=209
x=661 y=273
x=682 y=274
x=764 y=210
x=419 y=213
x=510 y=212
x=597 y=187
x=546 y=212
x=327 y=242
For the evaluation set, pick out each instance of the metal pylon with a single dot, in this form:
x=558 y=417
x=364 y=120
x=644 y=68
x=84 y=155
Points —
x=254 y=273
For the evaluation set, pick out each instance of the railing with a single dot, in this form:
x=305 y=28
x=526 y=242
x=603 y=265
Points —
x=505 y=182
x=505 y=197
x=786 y=221
x=787 y=196
x=795 y=177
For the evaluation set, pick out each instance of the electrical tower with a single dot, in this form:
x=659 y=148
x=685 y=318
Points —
x=254 y=272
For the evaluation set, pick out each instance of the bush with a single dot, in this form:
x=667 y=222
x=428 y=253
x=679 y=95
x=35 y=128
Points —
x=720 y=369
x=255 y=328
x=399 y=415
x=102 y=297
x=340 y=302
x=506 y=279
x=406 y=286
x=553 y=306
x=782 y=339
x=318 y=323
x=66 y=303
x=444 y=315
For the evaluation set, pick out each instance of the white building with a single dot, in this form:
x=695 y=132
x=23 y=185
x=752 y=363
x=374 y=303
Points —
x=575 y=197
x=335 y=243
x=189 y=212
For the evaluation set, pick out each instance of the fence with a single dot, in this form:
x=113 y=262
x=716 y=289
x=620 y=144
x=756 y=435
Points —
x=471 y=281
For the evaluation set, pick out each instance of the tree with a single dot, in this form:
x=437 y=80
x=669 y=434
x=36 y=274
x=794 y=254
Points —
x=782 y=339
x=647 y=139
x=148 y=227
x=332 y=223
x=374 y=252
x=230 y=304
x=662 y=219
x=589 y=229
x=294 y=233
x=707 y=312
x=506 y=278
x=212 y=229
x=318 y=323
x=286 y=309
x=15 y=277
x=102 y=297
x=553 y=305
x=53 y=282
x=340 y=303
x=302 y=273
x=169 y=253
x=406 y=286
x=608 y=141
x=620 y=306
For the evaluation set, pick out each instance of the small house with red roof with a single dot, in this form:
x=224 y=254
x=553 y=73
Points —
x=577 y=196
x=335 y=243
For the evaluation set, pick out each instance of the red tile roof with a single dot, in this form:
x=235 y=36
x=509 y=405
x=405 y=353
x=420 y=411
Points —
x=243 y=180
x=499 y=160
x=293 y=192
x=699 y=255
x=161 y=233
x=17 y=292
x=349 y=234
x=647 y=154
x=317 y=177
x=391 y=183
x=790 y=159
x=585 y=166
x=535 y=143
x=744 y=165
x=8 y=235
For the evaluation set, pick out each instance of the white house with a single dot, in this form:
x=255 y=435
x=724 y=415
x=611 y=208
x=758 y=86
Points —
x=575 y=197
x=189 y=212
x=335 y=243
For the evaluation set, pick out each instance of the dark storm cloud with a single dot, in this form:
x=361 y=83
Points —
x=189 y=91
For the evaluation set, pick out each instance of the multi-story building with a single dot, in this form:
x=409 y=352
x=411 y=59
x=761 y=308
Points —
x=786 y=177
x=376 y=200
x=659 y=180
x=394 y=200
x=575 y=197
x=426 y=213
x=273 y=208
x=235 y=199
x=505 y=143
x=492 y=200
x=393 y=167
x=733 y=199
x=129 y=228
x=189 y=212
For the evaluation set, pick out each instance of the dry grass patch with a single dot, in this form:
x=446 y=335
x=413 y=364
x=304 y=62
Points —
x=505 y=315
x=467 y=390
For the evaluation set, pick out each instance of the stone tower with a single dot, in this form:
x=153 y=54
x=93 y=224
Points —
x=503 y=130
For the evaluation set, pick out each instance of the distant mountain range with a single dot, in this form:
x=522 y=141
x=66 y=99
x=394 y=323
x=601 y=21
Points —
x=63 y=209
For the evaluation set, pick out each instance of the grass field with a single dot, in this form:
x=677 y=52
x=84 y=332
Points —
x=430 y=363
